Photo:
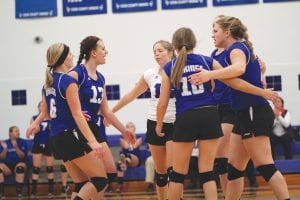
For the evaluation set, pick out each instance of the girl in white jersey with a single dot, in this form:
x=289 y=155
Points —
x=159 y=146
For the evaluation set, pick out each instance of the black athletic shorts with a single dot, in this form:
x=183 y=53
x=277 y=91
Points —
x=68 y=145
x=97 y=133
x=41 y=149
x=153 y=138
x=227 y=114
x=201 y=123
x=254 y=121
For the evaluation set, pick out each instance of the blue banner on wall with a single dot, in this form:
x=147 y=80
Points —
x=273 y=1
x=123 y=6
x=232 y=2
x=84 y=7
x=178 y=4
x=35 y=8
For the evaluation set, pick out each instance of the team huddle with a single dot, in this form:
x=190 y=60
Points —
x=218 y=100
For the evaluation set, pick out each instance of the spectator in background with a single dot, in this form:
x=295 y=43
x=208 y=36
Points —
x=41 y=150
x=129 y=156
x=280 y=133
x=193 y=168
x=13 y=154
x=150 y=172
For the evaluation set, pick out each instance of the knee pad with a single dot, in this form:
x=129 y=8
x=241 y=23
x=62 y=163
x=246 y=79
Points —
x=161 y=179
x=221 y=165
x=49 y=169
x=128 y=155
x=267 y=171
x=1 y=171
x=36 y=170
x=207 y=176
x=111 y=177
x=119 y=167
x=63 y=168
x=177 y=177
x=99 y=183
x=78 y=186
x=234 y=173
x=20 y=170
x=169 y=171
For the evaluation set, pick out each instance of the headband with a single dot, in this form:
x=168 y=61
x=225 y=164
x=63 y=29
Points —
x=62 y=57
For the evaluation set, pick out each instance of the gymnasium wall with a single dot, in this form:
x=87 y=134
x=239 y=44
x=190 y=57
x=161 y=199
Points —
x=273 y=28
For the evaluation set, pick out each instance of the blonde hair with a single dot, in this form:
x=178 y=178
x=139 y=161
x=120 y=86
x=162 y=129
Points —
x=183 y=41
x=53 y=54
x=237 y=30
x=130 y=124
x=166 y=45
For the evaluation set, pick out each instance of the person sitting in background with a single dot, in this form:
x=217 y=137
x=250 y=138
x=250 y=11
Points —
x=193 y=168
x=281 y=126
x=13 y=154
x=150 y=172
x=129 y=156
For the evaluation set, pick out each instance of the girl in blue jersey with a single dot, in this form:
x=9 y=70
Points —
x=13 y=155
x=42 y=149
x=254 y=118
x=160 y=146
x=93 y=95
x=197 y=116
x=71 y=138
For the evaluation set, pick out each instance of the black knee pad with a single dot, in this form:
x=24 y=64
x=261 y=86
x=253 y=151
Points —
x=99 y=183
x=234 y=173
x=49 y=169
x=207 y=176
x=119 y=167
x=221 y=165
x=177 y=177
x=161 y=179
x=267 y=171
x=111 y=177
x=78 y=186
x=63 y=168
x=169 y=170
x=36 y=170
x=20 y=170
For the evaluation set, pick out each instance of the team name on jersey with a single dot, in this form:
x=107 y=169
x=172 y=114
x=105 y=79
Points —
x=191 y=68
x=50 y=91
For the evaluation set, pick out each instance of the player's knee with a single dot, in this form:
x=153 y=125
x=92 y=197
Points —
x=36 y=170
x=267 y=171
x=161 y=179
x=49 y=169
x=99 y=183
x=234 y=173
x=63 y=169
x=205 y=177
x=20 y=170
x=177 y=177
x=221 y=165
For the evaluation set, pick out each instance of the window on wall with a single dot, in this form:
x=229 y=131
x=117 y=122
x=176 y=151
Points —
x=145 y=95
x=18 y=97
x=299 y=81
x=274 y=82
x=113 y=92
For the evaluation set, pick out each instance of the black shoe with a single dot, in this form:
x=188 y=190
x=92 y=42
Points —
x=150 y=187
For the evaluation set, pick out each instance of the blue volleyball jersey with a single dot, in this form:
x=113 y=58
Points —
x=61 y=116
x=190 y=96
x=42 y=137
x=222 y=92
x=12 y=157
x=90 y=91
x=241 y=100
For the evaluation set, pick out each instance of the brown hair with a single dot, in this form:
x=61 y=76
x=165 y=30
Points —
x=183 y=41
x=237 y=30
x=86 y=46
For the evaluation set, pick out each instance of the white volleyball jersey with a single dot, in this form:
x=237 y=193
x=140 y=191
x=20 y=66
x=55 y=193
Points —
x=153 y=79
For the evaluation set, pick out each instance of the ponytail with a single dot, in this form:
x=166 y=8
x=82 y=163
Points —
x=178 y=67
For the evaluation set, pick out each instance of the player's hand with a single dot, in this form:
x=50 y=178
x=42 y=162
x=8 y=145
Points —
x=158 y=130
x=97 y=148
x=32 y=130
